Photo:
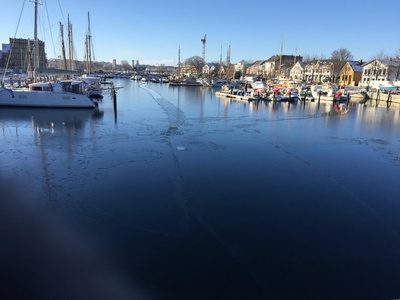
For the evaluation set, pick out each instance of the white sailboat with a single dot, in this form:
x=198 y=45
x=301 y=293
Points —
x=56 y=95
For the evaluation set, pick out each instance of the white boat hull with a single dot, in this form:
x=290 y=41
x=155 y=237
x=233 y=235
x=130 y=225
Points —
x=26 y=98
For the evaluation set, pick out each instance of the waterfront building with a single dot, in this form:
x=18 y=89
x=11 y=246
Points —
x=188 y=70
x=351 y=73
x=380 y=71
x=256 y=69
x=279 y=66
x=317 y=71
x=19 y=53
x=240 y=70
x=210 y=68
x=297 y=71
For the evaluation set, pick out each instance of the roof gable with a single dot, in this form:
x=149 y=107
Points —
x=356 y=66
x=387 y=62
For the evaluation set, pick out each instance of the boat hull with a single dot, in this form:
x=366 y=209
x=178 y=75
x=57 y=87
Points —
x=16 y=98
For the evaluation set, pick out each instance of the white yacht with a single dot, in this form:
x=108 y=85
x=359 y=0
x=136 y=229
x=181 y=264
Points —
x=68 y=94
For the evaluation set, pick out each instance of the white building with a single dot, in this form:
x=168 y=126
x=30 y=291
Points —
x=297 y=72
x=380 y=71
x=318 y=71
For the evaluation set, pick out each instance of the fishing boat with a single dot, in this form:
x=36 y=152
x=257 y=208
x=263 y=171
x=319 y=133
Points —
x=45 y=94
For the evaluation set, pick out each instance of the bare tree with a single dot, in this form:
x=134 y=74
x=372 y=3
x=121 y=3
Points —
x=161 y=69
x=195 y=62
x=308 y=57
x=341 y=54
x=380 y=55
x=125 y=66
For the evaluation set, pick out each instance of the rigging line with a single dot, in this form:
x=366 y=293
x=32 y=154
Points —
x=91 y=44
x=51 y=32
x=59 y=43
x=15 y=34
x=62 y=13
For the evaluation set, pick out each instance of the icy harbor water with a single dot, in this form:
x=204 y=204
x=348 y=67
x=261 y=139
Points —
x=179 y=194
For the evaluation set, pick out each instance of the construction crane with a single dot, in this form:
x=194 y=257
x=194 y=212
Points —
x=203 y=40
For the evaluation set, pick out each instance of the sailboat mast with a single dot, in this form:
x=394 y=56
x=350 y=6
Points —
x=280 y=59
x=35 y=41
x=71 y=55
x=88 y=48
x=63 y=45
x=220 y=62
x=228 y=62
x=179 y=62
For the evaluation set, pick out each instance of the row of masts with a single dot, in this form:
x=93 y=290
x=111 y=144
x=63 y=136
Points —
x=88 y=54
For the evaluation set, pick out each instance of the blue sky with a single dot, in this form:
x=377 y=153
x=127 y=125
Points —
x=153 y=31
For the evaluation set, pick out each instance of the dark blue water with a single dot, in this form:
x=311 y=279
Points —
x=179 y=194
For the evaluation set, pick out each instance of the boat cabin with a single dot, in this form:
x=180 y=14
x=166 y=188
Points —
x=76 y=87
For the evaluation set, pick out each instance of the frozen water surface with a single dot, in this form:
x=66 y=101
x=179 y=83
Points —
x=179 y=194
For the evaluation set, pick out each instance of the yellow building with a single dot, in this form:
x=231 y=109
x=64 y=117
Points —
x=351 y=73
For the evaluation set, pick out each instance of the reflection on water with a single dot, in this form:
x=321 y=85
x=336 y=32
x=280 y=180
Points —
x=202 y=197
x=371 y=116
x=48 y=119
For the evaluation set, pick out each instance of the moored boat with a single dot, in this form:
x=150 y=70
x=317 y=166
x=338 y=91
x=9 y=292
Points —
x=306 y=95
x=290 y=95
x=218 y=82
x=92 y=86
x=186 y=82
x=341 y=96
x=57 y=95
x=136 y=77
x=390 y=87
x=239 y=94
